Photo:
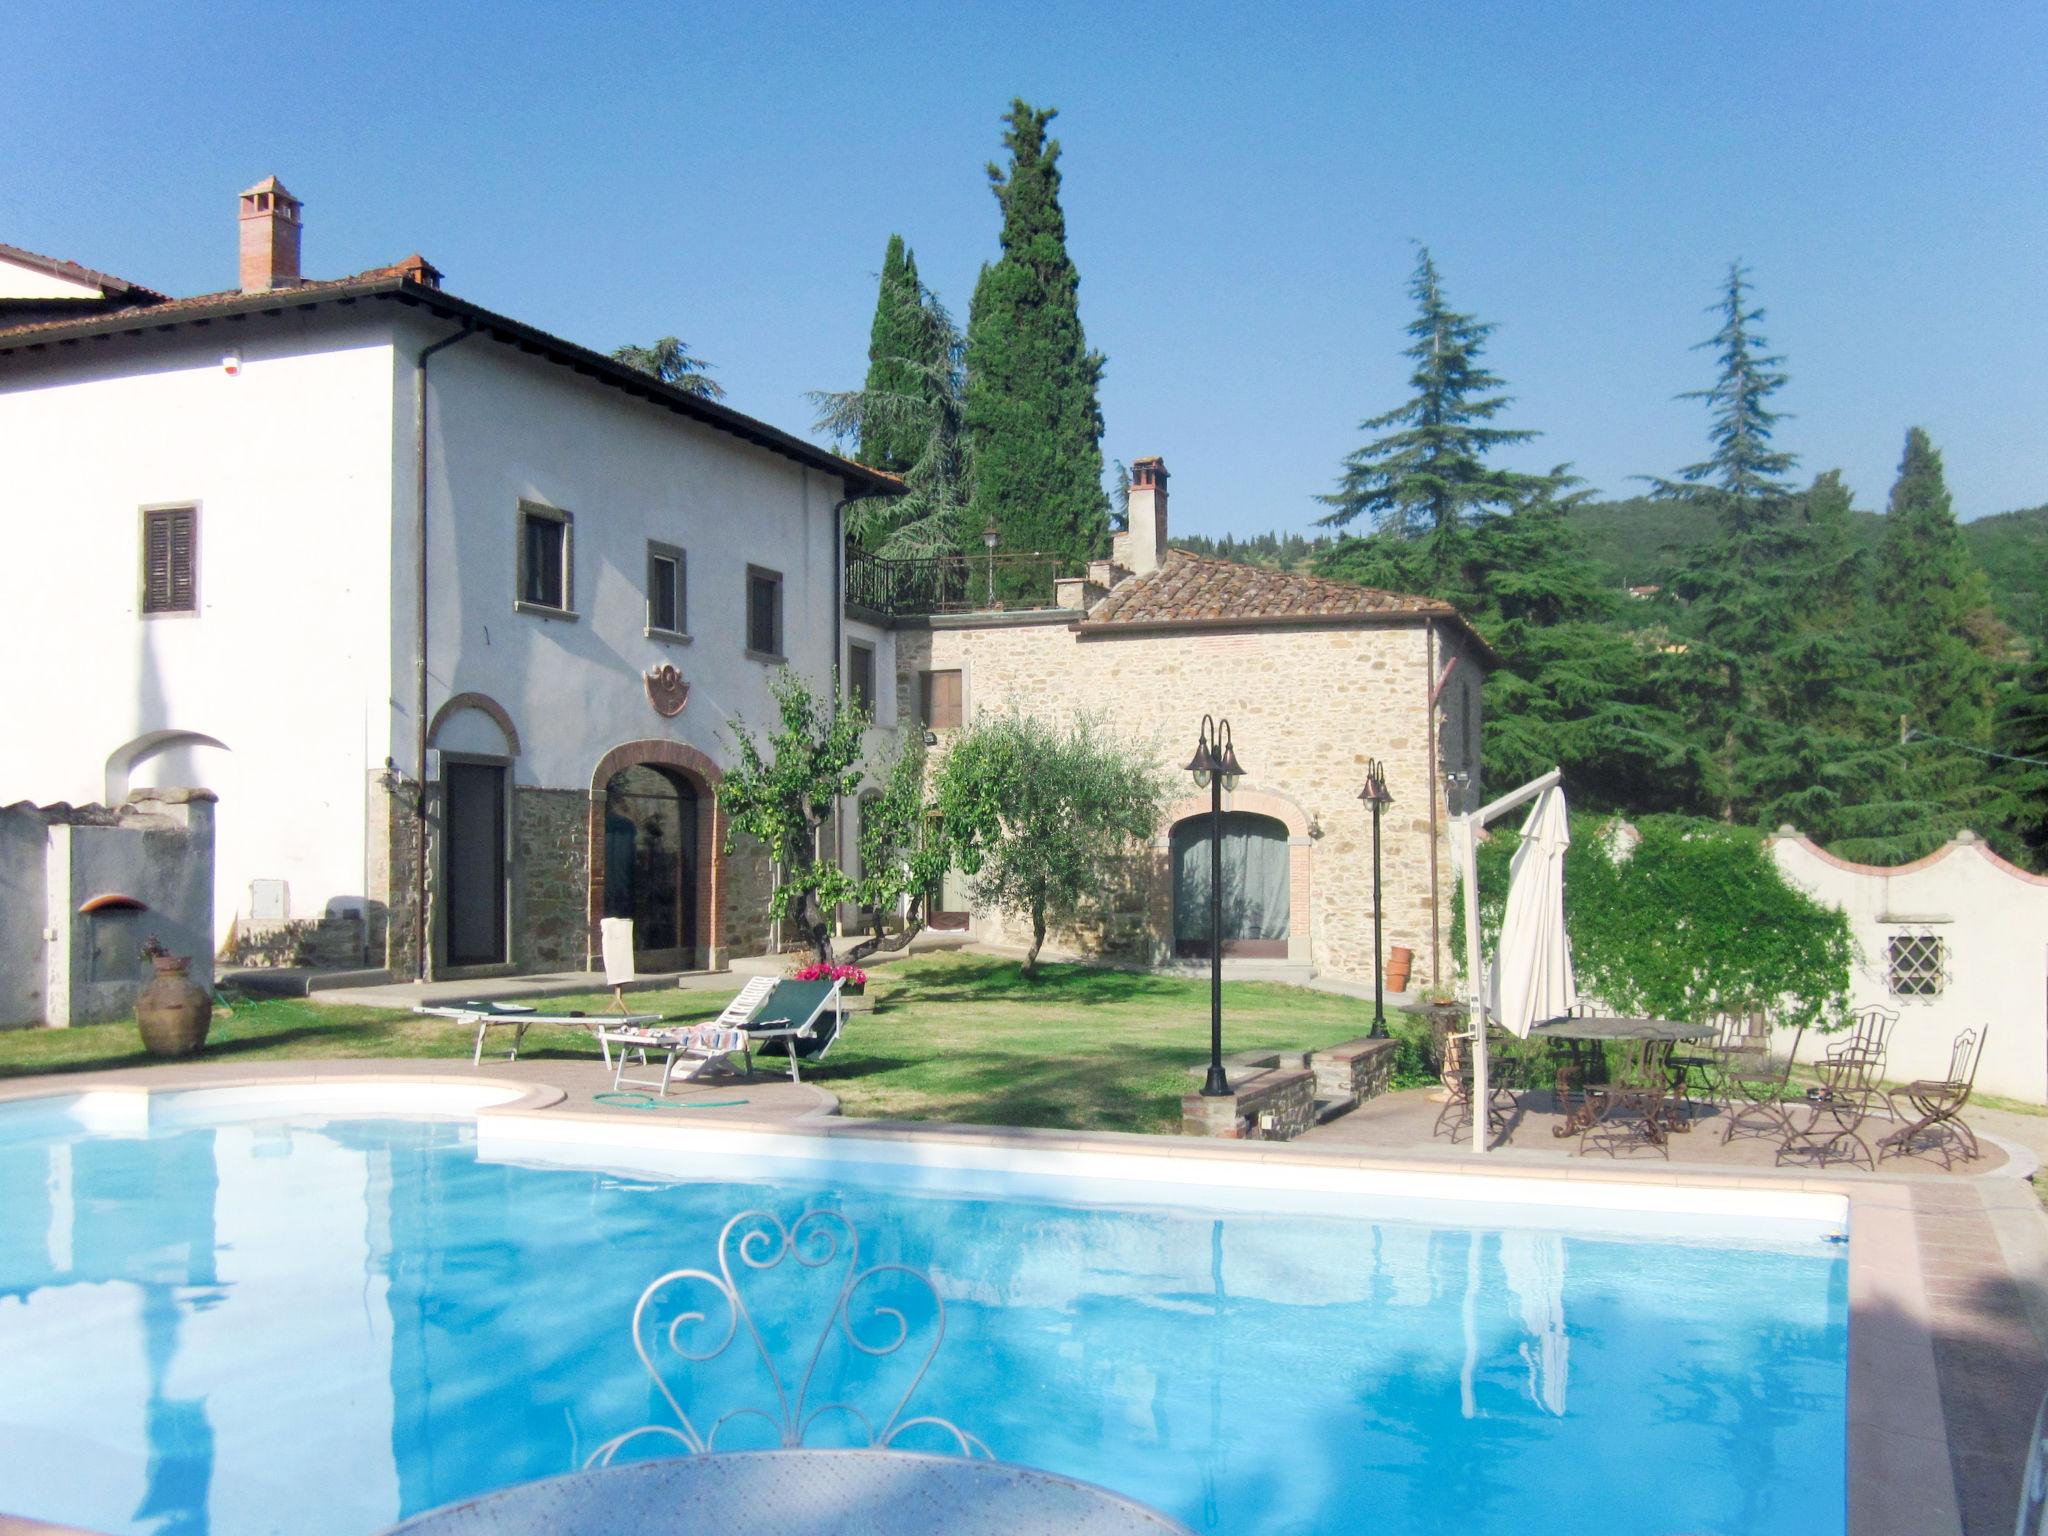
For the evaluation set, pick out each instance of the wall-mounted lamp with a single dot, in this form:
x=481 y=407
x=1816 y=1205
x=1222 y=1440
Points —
x=231 y=361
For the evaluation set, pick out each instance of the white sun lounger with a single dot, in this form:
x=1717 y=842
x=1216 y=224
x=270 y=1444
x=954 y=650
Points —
x=702 y=1047
x=520 y=1017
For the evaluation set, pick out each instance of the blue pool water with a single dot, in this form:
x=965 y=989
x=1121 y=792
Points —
x=320 y=1326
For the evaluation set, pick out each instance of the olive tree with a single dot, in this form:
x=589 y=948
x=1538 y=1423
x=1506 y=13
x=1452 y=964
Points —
x=1043 y=814
x=904 y=849
x=785 y=799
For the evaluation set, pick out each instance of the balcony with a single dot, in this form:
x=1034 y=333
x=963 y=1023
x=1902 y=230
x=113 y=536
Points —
x=903 y=589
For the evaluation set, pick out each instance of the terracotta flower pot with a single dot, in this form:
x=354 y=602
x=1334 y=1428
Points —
x=173 y=1012
x=1400 y=959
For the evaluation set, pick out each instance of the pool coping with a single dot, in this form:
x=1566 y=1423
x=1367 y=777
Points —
x=1898 y=1473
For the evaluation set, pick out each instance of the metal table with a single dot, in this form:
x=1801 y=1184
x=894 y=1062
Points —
x=1602 y=1027
x=800 y=1493
x=1585 y=1105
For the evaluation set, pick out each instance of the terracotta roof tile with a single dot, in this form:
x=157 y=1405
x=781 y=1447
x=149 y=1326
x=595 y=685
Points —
x=56 y=266
x=1195 y=588
x=415 y=281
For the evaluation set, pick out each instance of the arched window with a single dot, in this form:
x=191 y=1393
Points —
x=1257 y=887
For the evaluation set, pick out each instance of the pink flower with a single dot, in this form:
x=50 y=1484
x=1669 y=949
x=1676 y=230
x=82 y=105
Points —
x=846 y=975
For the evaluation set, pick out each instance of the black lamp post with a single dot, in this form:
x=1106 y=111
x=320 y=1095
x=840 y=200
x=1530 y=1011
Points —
x=1215 y=765
x=990 y=537
x=1375 y=795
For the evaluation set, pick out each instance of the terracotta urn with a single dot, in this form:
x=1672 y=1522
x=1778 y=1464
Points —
x=173 y=1011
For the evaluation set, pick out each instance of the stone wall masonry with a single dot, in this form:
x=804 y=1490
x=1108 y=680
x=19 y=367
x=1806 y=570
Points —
x=1285 y=1094
x=1355 y=1071
x=551 y=864
x=394 y=858
x=327 y=943
x=746 y=884
x=1308 y=708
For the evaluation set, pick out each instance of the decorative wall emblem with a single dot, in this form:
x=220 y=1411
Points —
x=666 y=690
x=689 y=1316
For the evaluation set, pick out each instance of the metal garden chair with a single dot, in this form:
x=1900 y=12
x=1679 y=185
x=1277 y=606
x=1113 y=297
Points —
x=1456 y=1077
x=1756 y=1086
x=1938 y=1129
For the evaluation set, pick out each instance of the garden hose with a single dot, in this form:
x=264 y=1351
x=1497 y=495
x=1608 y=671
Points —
x=649 y=1101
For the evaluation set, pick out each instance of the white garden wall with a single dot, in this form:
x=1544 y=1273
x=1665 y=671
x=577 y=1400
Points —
x=1983 y=923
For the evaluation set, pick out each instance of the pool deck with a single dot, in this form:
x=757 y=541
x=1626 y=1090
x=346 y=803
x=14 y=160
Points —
x=1948 y=1273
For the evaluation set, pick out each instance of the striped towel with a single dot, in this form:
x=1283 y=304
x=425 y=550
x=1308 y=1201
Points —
x=712 y=1038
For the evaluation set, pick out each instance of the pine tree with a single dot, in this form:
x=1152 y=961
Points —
x=669 y=360
x=1581 y=688
x=1744 y=590
x=1744 y=477
x=1034 y=421
x=1935 y=603
x=924 y=414
x=1426 y=473
x=894 y=442
x=2023 y=775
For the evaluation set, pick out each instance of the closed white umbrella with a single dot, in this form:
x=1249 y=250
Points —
x=1534 y=1267
x=1532 y=972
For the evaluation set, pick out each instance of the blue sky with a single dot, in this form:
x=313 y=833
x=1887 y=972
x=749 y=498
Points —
x=1243 y=187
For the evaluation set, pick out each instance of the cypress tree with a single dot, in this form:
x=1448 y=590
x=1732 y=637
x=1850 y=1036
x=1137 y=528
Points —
x=1033 y=419
x=889 y=440
x=1935 y=603
x=1425 y=474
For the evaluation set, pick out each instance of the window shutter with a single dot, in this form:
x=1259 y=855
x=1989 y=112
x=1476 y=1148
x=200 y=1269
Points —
x=170 y=560
x=184 y=594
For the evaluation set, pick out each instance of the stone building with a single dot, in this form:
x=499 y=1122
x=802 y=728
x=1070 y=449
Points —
x=1316 y=677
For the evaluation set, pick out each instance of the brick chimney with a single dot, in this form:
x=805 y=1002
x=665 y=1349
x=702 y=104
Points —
x=270 y=237
x=1142 y=547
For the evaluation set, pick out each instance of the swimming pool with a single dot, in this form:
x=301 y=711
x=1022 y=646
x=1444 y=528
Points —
x=221 y=1316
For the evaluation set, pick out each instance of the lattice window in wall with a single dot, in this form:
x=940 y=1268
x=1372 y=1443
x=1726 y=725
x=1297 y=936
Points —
x=1916 y=965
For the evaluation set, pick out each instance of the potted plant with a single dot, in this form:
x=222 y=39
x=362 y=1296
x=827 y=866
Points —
x=172 y=1011
x=853 y=983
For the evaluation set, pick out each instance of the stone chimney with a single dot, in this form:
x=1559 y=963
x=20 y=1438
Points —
x=270 y=237
x=1142 y=547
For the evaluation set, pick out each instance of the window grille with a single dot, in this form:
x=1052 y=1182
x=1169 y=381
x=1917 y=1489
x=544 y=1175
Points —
x=1916 y=965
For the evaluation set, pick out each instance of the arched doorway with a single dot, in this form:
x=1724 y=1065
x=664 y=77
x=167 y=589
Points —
x=651 y=839
x=1257 y=887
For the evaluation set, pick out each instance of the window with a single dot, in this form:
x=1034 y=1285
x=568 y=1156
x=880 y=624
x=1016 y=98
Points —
x=1916 y=965
x=942 y=700
x=170 y=559
x=764 y=613
x=860 y=675
x=665 y=598
x=546 y=567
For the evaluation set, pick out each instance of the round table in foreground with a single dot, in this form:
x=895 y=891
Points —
x=800 y=1493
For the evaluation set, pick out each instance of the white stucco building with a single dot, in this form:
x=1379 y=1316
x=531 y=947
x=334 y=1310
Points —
x=459 y=620
x=1955 y=941
x=227 y=511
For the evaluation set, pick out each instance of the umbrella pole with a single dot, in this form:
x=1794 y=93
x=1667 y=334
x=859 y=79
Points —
x=1475 y=984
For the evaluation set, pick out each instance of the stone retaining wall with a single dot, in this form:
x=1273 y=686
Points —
x=1286 y=1094
x=1356 y=1071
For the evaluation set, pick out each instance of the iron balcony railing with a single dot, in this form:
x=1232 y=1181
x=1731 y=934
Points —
x=950 y=583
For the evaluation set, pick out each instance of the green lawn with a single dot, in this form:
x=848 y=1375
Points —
x=954 y=1037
